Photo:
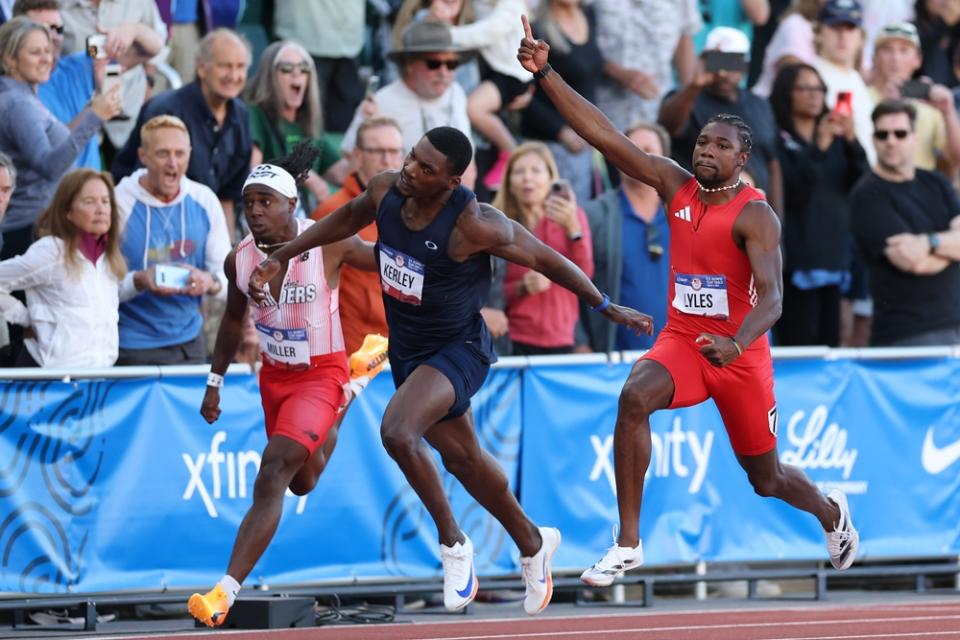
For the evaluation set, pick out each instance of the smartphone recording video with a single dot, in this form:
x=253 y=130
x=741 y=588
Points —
x=714 y=61
x=915 y=89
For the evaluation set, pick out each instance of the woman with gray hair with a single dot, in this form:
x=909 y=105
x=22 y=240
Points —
x=283 y=99
x=41 y=147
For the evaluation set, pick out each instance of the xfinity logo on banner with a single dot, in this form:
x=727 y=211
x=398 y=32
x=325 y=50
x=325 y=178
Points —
x=234 y=471
x=817 y=445
x=667 y=457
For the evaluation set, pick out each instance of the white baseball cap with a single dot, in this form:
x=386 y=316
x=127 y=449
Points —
x=728 y=40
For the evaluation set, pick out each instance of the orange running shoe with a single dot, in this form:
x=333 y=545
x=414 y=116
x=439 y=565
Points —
x=210 y=608
x=368 y=360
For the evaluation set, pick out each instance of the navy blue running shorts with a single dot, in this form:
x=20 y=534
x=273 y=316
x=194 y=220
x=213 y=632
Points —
x=463 y=363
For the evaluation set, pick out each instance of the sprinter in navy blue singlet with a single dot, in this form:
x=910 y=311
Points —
x=433 y=302
x=434 y=248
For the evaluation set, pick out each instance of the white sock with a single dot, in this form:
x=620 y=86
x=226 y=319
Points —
x=231 y=587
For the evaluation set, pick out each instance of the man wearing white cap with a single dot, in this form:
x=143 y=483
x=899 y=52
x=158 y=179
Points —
x=304 y=373
x=897 y=56
x=716 y=89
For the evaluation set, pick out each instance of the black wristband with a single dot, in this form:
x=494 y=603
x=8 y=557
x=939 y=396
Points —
x=934 y=241
x=540 y=75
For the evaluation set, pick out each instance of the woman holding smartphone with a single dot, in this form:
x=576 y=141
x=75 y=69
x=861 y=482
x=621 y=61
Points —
x=41 y=147
x=71 y=277
x=821 y=161
x=542 y=317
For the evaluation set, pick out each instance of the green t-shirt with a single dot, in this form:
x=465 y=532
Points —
x=266 y=135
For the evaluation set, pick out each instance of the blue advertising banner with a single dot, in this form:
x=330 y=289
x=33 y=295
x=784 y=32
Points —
x=886 y=432
x=111 y=484
x=120 y=484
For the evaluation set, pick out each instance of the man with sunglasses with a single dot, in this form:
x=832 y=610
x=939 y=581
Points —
x=897 y=56
x=426 y=95
x=631 y=249
x=907 y=223
x=76 y=77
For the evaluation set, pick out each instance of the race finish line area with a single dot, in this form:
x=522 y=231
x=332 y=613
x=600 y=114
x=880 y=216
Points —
x=115 y=485
x=933 y=619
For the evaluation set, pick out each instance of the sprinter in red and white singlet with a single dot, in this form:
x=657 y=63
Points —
x=304 y=366
x=725 y=295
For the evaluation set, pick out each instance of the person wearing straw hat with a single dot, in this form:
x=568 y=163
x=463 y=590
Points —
x=426 y=95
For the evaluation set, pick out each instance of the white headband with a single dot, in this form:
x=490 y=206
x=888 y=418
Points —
x=277 y=178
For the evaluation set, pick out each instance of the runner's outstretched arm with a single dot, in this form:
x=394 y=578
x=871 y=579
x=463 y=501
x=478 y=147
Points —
x=229 y=336
x=663 y=174
x=490 y=231
x=339 y=225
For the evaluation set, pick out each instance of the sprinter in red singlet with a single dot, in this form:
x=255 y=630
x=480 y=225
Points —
x=304 y=373
x=725 y=294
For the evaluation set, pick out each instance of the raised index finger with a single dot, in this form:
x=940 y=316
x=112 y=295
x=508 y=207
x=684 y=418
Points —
x=526 y=26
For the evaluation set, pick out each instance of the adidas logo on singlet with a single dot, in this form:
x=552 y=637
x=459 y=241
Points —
x=683 y=214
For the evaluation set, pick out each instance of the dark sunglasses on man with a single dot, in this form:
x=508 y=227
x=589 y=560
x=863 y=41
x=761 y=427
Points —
x=433 y=65
x=883 y=134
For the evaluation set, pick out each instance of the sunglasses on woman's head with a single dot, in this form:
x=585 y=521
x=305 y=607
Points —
x=288 y=67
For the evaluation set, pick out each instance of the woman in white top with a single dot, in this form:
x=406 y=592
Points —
x=71 y=278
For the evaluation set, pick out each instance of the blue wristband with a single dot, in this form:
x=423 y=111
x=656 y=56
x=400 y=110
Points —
x=603 y=304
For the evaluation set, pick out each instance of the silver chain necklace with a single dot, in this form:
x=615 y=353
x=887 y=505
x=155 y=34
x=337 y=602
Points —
x=719 y=189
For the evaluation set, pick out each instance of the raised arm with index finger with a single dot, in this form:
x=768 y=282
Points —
x=663 y=174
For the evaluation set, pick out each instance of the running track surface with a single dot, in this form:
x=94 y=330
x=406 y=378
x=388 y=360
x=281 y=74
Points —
x=937 y=620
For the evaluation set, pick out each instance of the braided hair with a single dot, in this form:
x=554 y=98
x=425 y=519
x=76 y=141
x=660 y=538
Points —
x=744 y=132
x=299 y=161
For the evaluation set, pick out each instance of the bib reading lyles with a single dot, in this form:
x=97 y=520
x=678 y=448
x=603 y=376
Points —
x=285 y=346
x=401 y=276
x=701 y=295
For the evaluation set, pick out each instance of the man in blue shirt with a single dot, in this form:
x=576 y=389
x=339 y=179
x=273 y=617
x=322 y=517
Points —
x=216 y=118
x=631 y=250
x=76 y=76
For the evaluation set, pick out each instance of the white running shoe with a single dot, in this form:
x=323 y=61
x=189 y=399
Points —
x=843 y=541
x=613 y=564
x=535 y=572
x=459 y=577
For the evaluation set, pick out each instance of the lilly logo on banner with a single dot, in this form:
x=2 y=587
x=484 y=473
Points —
x=818 y=445
x=666 y=458
x=234 y=471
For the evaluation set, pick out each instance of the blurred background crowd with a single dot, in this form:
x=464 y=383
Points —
x=127 y=129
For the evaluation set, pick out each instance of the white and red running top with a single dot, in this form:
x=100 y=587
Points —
x=305 y=321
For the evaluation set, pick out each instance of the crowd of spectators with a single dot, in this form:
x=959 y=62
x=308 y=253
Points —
x=852 y=103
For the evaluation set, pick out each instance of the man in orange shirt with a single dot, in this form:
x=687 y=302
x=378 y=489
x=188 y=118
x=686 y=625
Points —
x=379 y=148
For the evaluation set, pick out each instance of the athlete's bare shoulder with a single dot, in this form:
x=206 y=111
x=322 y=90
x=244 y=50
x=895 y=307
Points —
x=757 y=220
x=380 y=184
x=481 y=226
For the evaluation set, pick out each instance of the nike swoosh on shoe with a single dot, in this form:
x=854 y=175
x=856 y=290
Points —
x=467 y=589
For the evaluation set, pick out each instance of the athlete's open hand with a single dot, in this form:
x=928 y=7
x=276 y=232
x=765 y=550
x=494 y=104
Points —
x=718 y=350
x=260 y=278
x=532 y=53
x=630 y=318
x=210 y=409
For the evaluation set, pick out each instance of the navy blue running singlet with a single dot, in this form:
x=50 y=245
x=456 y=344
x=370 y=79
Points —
x=430 y=300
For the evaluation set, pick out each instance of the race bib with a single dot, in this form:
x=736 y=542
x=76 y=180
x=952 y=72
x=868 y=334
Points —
x=401 y=276
x=701 y=295
x=286 y=346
